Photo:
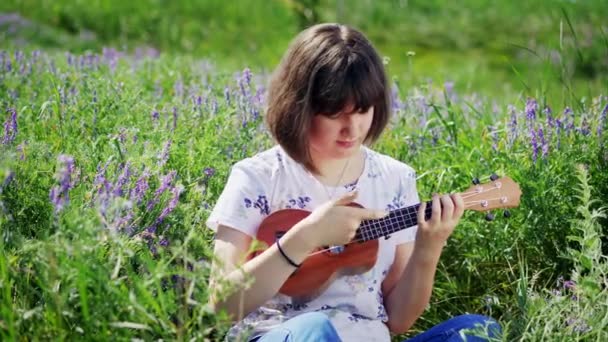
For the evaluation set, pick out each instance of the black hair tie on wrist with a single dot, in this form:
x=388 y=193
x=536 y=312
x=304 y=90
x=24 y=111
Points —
x=286 y=257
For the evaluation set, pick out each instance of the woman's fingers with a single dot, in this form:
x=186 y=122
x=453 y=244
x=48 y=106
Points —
x=448 y=208
x=436 y=216
x=458 y=205
x=421 y=214
x=445 y=208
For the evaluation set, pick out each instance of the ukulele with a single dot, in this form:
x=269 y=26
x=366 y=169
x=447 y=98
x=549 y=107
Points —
x=324 y=264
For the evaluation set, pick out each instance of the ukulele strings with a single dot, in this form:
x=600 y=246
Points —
x=468 y=204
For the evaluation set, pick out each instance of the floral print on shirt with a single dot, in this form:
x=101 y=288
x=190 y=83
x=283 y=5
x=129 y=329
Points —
x=261 y=203
x=299 y=202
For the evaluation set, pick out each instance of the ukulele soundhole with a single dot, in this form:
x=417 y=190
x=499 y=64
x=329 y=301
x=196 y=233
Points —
x=278 y=234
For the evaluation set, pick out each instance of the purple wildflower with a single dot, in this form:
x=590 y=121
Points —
x=512 y=125
x=396 y=103
x=247 y=76
x=549 y=113
x=227 y=96
x=7 y=180
x=494 y=135
x=255 y=113
x=164 y=184
x=164 y=156
x=578 y=325
x=70 y=58
x=141 y=186
x=209 y=172
x=122 y=180
x=176 y=191
x=10 y=127
x=122 y=135
x=111 y=55
x=570 y=321
x=8 y=65
x=178 y=87
x=558 y=127
x=174 y=119
x=155 y=116
x=602 y=121
x=245 y=82
x=534 y=143
x=59 y=195
x=123 y=223
x=434 y=136
x=543 y=143
x=568 y=119
x=531 y=108
x=214 y=106
x=585 y=128
x=21 y=149
x=100 y=182
x=151 y=230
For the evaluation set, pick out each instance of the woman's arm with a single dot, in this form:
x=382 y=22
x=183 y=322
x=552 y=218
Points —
x=406 y=301
x=269 y=270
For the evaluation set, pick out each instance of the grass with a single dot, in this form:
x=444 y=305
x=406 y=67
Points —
x=110 y=162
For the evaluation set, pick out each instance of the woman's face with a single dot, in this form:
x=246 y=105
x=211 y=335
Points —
x=339 y=136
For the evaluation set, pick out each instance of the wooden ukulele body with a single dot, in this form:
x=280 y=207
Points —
x=319 y=269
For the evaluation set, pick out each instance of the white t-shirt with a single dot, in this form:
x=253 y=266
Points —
x=271 y=181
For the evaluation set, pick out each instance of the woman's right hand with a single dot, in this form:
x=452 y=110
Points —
x=334 y=222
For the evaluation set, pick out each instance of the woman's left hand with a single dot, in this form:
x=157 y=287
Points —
x=439 y=227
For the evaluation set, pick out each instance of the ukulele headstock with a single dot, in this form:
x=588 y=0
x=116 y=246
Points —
x=500 y=192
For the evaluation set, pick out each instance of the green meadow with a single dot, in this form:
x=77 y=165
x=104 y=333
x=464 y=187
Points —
x=120 y=121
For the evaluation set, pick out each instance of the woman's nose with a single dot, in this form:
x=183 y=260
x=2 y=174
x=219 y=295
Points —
x=350 y=123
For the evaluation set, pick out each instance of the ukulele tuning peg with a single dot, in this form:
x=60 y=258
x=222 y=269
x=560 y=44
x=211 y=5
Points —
x=489 y=217
x=476 y=181
x=494 y=177
x=507 y=214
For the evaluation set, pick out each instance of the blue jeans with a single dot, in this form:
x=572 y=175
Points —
x=315 y=326
x=461 y=328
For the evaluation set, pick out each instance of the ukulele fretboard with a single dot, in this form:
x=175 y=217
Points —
x=397 y=220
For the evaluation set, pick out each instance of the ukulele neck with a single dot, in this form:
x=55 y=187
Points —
x=397 y=220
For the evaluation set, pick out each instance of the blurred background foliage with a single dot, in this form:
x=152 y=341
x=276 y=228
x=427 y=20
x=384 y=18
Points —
x=497 y=67
x=496 y=46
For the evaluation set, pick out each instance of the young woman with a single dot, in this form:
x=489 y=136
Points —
x=328 y=102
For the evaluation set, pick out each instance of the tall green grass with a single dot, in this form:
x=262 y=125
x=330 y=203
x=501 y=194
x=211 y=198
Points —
x=89 y=252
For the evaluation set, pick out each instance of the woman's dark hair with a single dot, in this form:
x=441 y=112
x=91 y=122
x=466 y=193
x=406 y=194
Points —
x=326 y=68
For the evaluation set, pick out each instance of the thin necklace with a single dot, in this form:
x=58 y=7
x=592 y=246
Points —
x=330 y=197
